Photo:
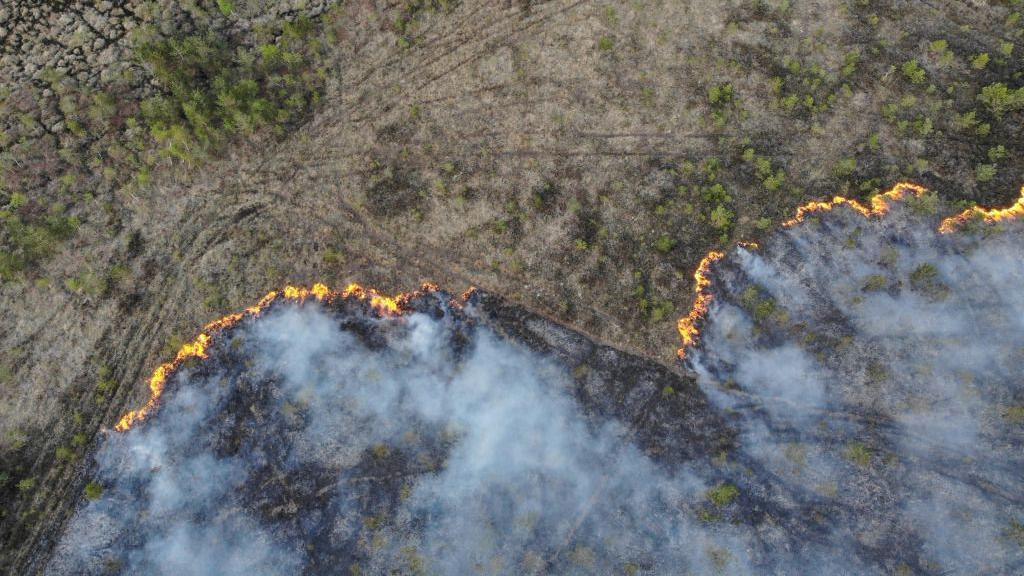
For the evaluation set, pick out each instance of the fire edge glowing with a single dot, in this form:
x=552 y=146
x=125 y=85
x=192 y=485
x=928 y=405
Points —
x=384 y=305
x=689 y=325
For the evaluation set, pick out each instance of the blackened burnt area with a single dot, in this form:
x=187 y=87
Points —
x=665 y=411
x=333 y=510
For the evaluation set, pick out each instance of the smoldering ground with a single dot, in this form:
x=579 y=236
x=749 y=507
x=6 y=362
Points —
x=870 y=369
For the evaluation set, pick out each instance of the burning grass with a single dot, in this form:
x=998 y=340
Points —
x=381 y=304
x=879 y=206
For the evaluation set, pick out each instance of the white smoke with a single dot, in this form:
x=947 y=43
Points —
x=891 y=353
x=867 y=367
x=499 y=469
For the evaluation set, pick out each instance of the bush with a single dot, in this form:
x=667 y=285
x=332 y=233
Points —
x=875 y=282
x=1014 y=415
x=93 y=491
x=664 y=244
x=721 y=95
x=845 y=167
x=723 y=495
x=26 y=485
x=226 y=7
x=859 y=454
x=661 y=310
x=913 y=72
x=925 y=279
x=721 y=217
x=997 y=153
x=29 y=241
x=1001 y=99
x=984 y=172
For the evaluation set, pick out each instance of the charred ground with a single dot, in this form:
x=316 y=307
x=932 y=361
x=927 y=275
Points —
x=309 y=492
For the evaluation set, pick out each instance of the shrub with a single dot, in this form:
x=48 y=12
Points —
x=1014 y=414
x=850 y=62
x=106 y=385
x=93 y=491
x=875 y=282
x=29 y=242
x=26 y=485
x=213 y=90
x=1001 y=99
x=664 y=244
x=926 y=204
x=845 y=167
x=721 y=217
x=925 y=279
x=984 y=172
x=661 y=310
x=226 y=7
x=723 y=495
x=996 y=153
x=913 y=72
x=721 y=95
x=859 y=454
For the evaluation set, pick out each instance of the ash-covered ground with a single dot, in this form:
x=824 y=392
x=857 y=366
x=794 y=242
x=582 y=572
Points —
x=858 y=409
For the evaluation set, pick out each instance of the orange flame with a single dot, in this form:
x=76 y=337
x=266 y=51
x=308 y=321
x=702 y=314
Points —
x=384 y=305
x=687 y=325
x=987 y=215
x=880 y=204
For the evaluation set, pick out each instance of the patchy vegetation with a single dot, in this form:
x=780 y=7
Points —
x=214 y=91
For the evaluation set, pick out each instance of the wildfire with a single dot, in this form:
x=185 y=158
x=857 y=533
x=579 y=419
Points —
x=384 y=305
x=688 y=329
x=880 y=204
x=953 y=223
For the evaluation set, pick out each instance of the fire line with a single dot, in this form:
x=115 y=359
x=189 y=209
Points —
x=987 y=215
x=689 y=325
x=197 y=348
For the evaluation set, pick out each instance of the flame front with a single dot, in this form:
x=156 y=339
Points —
x=688 y=329
x=989 y=216
x=880 y=204
x=197 y=348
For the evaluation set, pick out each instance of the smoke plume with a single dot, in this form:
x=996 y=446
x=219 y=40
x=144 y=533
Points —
x=868 y=370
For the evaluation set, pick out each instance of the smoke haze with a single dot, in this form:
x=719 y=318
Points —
x=869 y=369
